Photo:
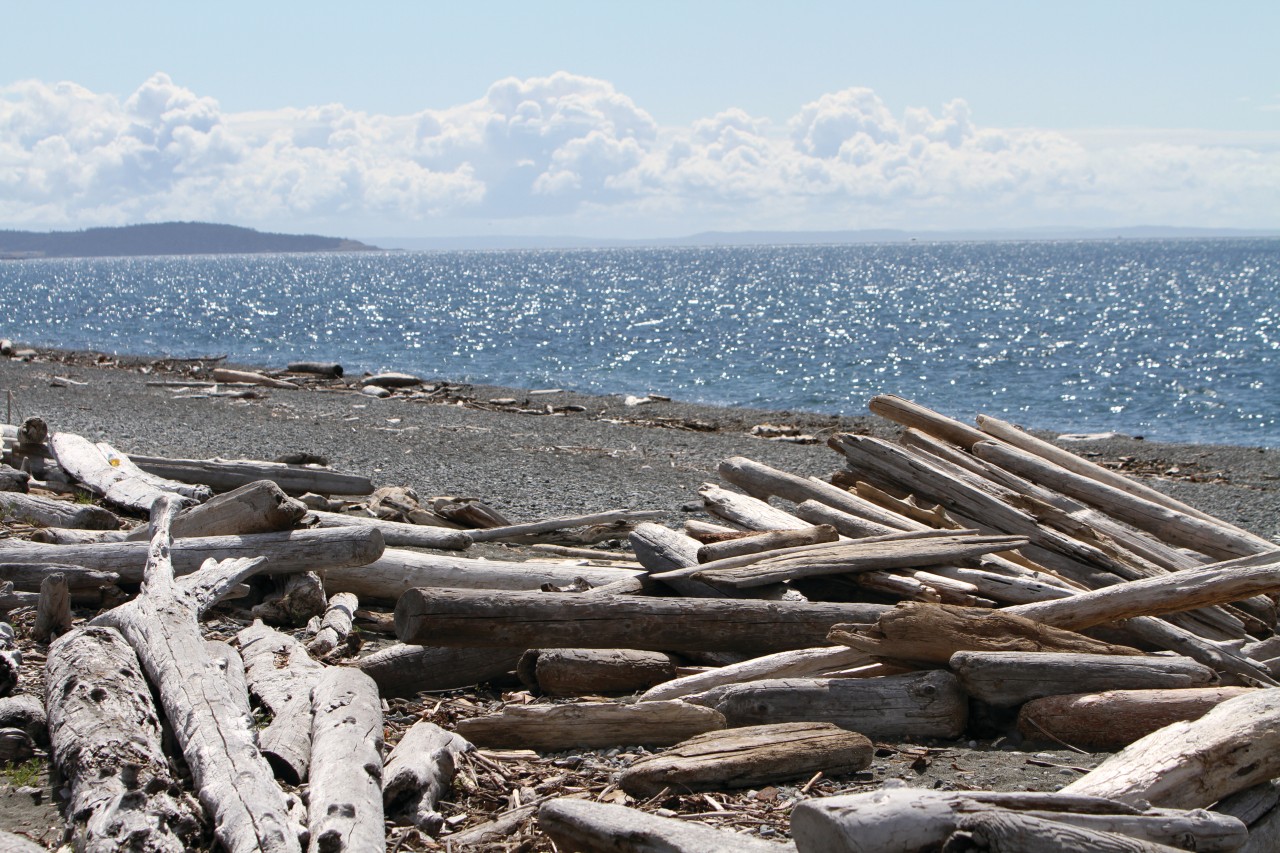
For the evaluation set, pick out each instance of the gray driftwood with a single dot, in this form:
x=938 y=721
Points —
x=575 y=672
x=398 y=534
x=335 y=626
x=589 y=725
x=281 y=675
x=53 y=612
x=257 y=507
x=799 y=663
x=345 y=803
x=403 y=670
x=86 y=463
x=34 y=509
x=223 y=475
x=590 y=826
x=418 y=773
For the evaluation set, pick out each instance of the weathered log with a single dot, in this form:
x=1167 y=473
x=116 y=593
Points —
x=576 y=672
x=228 y=661
x=927 y=704
x=16 y=746
x=34 y=509
x=391 y=380
x=223 y=475
x=11 y=842
x=1004 y=588
x=72 y=536
x=29 y=576
x=281 y=674
x=746 y=511
x=285 y=552
x=589 y=725
x=296 y=600
x=403 y=670
x=661 y=549
x=345 y=802
x=536 y=620
x=418 y=773
x=1110 y=721
x=336 y=624
x=903 y=411
x=249 y=377
x=761 y=481
x=770 y=540
x=53 y=613
x=10 y=659
x=128 y=468
x=320 y=368
x=231 y=778
x=1159 y=634
x=26 y=712
x=550 y=525
x=793 y=664
x=400 y=535
x=106 y=741
x=87 y=464
x=1007 y=679
x=1195 y=764
x=589 y=826
x=13 y=480
x=749 y=756
x=258 y=507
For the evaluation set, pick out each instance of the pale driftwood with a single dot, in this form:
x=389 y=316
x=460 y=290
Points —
x=223 y=475
x=766 y=541
x=228 y=661
x=550 y=525
x=86 y=463
x=589 y=725
x=403 y=670
x=26 y=712
x=661 y=549
x=232 y=780
x=1007 y=679
x=576 y=672
x=761 y=481
x=398 y=571
x=320 y=368
x=34 y=509
x=903 y=411
x=847 y=525
x=747 y=512
x=248 y=377
x=1221 y=657
x=72 y=536
x=345 y=802
x=589 y=826
x=1006 y=588
x=491 y=831
x=536 y=620
x=1195 y=764
x=53 y=613
x=916 y=632
x=928 y=704
x=596 y=555
x=297 y=599
x=336 y=624
x=391 y=380
x=285 y=553
x=398 y=534
x=10 y=659
x=106 y=742
x=281 y=674
x=127 y=467
x=417 y=775
x=1109 y=721
x=799 y=663
x=259 y=507
x=749 y=756
x=11 y=842
x=707 y=531
x=29 y=576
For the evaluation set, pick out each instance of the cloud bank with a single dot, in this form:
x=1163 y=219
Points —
x=570 y=153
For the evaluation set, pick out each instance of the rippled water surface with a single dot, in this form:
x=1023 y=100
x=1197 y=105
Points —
x=1175 y=340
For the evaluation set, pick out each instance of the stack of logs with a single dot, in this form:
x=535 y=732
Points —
x=957 y=581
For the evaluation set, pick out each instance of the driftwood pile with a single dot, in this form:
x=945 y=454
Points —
x=958 y=583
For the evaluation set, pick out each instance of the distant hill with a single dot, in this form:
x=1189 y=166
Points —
x=165 y=238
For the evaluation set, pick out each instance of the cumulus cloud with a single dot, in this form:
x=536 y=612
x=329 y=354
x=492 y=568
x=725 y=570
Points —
x=571 y=149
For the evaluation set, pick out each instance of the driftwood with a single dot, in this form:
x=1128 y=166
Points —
x=223 y=475
x=128 y=468
x=87 y=464
x=11 y=842
x=928 y=704
x=589 y=725
x=345 y=802
x=29 y=576
x=106 y=740
x=391 y=380
x=259 y=507
x=298 y=599
x=13 y=480
x=799 y=663
x=767 y=541
x=403 y=670
x=320 y=368
x=25 y=712
x=53 y=613
x=537 y=620
x=10 y=659
x=72 y=536
x=1195 y=764
x=551 y=525
x=1107 y=722
x=418 y=773
x=747 y=757
x=1007 y=679
x=250 y=377
x=33 y=509
x=336 y=624
x=400 y=535
x=909 y=414
x=747 y=512
x=576 y=672
x=281 y=674
x=588 y=826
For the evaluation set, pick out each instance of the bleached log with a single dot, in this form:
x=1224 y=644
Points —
x=13 y=480
x=53 y=613
x=1004 y=588
x=799 y=663
x=26 y=712
x=127 y=467
x=404 y=670
x=928 y=704
x=749 y=756
x=770 y=540
x=249 y=377
x=34 y=509
x=585 y=825
x=1221 y=657
x=86 y=463
x=336 y=624
x=400 y=535
x=576 y=672
x=761 y=481
x=345 y=802
x=11 y=842
x=417 y=775
x=106 y=741
x=1195 y=764
x=29 y=576
x=589 y=725
x=661 y=549
x=1007 y=679
x=10 y=659
x=391 y=380
x=538 y=620
x=223 y=475
x=228 y=661
x=551 y=525
x=297 y=599
x=909 y=414
x=1110 y=721
x=746 y=511
x=281 y=674
x=258 y=507
x=285 y=552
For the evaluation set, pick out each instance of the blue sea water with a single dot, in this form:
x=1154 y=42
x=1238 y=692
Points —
x=1174 y=340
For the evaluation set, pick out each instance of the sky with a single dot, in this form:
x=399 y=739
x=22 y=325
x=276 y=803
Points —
x=640 y=120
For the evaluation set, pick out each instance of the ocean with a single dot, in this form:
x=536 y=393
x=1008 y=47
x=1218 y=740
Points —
x=1174 y=340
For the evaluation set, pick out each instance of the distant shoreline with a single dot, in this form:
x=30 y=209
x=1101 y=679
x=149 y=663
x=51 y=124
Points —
x=166 y=238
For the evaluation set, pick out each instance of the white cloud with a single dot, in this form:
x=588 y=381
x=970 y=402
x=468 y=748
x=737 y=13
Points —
x=570 y=151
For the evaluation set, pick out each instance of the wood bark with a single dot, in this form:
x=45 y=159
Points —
x=747 y=757
x=258 y=507
x=589 y=725
x=928 y=704
x=403 y=670
x=577 y=672
x=345 y=802
x=588 y=826
x=53 y=613
x=281 y=674
x=336 y=625
x=770 y=540
x=232 y=780
x=34 y=509
x=106 y=741
x=85 y=462
x=1195 y=764
x=1007 y=679
x=223 y=475
x=538 y=620
x=400 y=535
x=1110 y=721
x=418 y=773
x=799 y=663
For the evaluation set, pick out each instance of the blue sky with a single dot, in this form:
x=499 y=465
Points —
x=654 y=119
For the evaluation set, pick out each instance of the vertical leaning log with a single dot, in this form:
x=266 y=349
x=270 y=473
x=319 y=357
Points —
x=346 y=763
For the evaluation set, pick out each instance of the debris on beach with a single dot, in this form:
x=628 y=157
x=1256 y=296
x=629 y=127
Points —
x=760 y=679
